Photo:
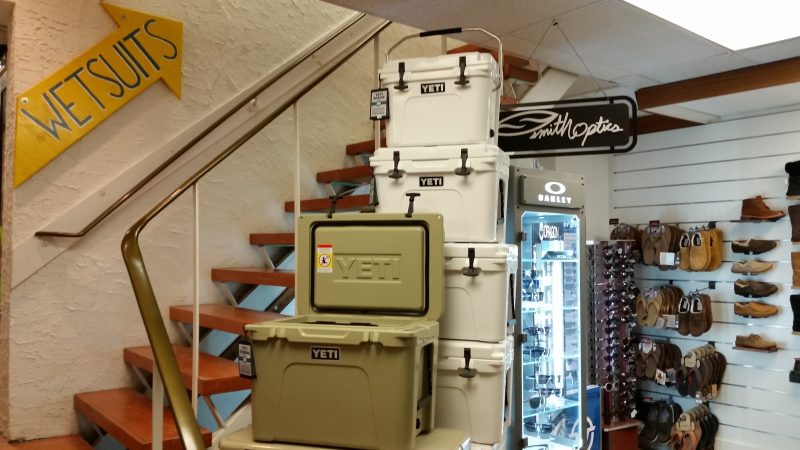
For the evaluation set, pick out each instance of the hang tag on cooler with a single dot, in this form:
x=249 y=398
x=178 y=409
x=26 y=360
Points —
x=379 y=104
x=247 y=368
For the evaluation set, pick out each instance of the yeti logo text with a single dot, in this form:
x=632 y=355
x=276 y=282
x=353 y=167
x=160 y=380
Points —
x=431 y=88
x=326 y=353
x=431 y=181
x=376 y=268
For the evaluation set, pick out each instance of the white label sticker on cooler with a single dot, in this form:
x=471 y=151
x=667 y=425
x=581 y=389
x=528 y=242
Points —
x=324 y=258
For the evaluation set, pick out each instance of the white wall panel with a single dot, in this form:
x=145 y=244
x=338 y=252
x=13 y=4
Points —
x=694 y=176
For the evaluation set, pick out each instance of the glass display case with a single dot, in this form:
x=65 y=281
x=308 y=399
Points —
x=550 y=384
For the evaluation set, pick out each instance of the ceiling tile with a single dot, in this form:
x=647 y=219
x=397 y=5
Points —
x=755 y=100
x=706 y=66
x=773 y=52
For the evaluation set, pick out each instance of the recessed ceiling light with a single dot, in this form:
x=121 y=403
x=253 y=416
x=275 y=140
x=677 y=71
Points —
x=735 y=24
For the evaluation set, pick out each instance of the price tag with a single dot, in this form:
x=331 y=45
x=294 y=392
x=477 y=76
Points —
x=613 y=221
x=670 y=321
x=714 y=391
x=685 y=423
x=379 y=104
x=690 y=360
x=246 y=367
x=646 y=345
x=660 y=323
x=667 y=259
x=661 y=377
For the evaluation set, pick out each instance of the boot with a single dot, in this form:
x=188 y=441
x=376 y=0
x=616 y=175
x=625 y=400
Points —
x=792 y=168
x=794 y=216
x=755 y=209
x=794 y=375
x=795 y=302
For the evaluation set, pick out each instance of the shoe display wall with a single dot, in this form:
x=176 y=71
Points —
x=702 y=179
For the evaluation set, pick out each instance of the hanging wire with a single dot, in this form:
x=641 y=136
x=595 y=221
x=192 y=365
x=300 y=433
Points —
x=540 y=42
x=555 y=24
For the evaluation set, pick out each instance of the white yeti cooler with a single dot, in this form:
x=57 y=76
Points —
x=475 y=395
x=479 y=287
x=432 y=106
x=467 y=184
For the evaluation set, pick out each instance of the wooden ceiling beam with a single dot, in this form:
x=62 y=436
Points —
x=740 y=80
x=655 y=123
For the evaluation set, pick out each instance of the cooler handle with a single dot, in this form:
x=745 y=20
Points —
x=471 y=271
x=466 y=372
x=456 y=31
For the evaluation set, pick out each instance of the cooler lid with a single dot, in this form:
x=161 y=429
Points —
x=371 y=264
x=486 y=251
x=479 y=350
x=438 y=152
x=477 y=64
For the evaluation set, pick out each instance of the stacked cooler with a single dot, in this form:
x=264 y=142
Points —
x=442 y=157
x=357 y=367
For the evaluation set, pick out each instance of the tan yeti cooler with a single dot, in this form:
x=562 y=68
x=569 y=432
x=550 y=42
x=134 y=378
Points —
x=357 y=368
x=438 y=439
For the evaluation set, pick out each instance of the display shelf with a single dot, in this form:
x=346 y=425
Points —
x=571 y=260
x=757 y=350
x=563 y=404
x=547 y=307
x=529 y=360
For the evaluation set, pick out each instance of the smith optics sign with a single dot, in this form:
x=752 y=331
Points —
x=66 y=106
x=580 y=126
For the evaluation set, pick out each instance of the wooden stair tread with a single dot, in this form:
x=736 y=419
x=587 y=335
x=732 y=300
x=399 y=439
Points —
x=510 y=60
x=222 y=317
x=508 y=100
x=324 y=204
x=282 y=239
x=359 y=148
x=520 y=73
x=250 y=275
x=127 y=416
x=73 y=442
x=351 y=174
x=216 y=375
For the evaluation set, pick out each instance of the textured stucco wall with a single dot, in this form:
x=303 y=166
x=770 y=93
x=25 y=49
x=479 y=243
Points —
x=70 y=321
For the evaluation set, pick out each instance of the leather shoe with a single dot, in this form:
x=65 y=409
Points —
x=751 y=266
x=756 y=310
x=755 y=341
x=752 y=246
x=754 y=289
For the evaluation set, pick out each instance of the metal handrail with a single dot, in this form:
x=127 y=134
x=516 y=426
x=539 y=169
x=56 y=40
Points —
x=163 y=353
x=280 y=72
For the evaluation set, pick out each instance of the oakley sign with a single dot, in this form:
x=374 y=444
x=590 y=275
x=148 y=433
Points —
x=554 y=190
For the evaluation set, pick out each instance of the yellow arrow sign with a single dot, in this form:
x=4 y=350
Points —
x=70 y=103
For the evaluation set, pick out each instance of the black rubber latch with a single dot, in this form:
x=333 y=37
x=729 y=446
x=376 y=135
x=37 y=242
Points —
x=334 y=199
x=396 y=173
x=401 y=84
x=462 y=67
x=466 y=372
x=471 y=271
x=463 y=170
x=411 y=196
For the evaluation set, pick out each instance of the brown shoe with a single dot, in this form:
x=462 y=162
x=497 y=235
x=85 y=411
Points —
x=755 y=341
x=753 y=246
x=755 y=209
x=754 y=289
x=795 y=270
x=756 y=310
x=751 y=266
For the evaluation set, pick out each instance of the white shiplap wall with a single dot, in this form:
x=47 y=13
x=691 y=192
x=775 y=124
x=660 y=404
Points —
x=696 y=175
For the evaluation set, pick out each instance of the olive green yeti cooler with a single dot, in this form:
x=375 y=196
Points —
x=438 y=439
x=357 y=368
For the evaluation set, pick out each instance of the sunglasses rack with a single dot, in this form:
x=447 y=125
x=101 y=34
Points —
x=612 y=314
